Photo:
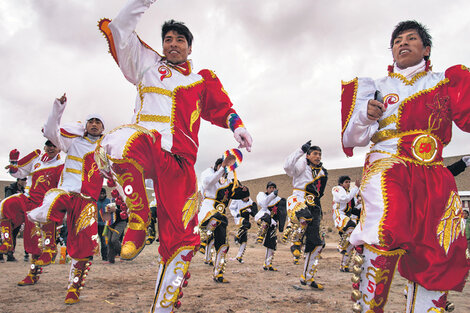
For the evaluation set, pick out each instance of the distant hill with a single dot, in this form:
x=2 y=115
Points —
x=284 y=184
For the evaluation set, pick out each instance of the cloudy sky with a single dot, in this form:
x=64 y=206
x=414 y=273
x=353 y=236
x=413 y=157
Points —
x=280 y=61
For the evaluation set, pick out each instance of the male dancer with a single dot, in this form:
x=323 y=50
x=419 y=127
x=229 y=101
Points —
x=270 y=209
x=43 y=172
x=218 y=191
x=241 y=211
x=77 y=193
x=344 y=210
x=309 y=179
x=408 y=116
x=162 y=142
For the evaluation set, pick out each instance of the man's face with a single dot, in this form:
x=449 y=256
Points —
x=314 y=157
x=408 y=49
x=94 y=127
x=21 y=182
x=270 y=189
x=102 y=195
x=51 y=150
x=346 y=184
x=175 y=47
x=246 y=199
x=465 y=214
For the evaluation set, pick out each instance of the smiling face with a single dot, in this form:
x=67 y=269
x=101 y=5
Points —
x=408 y=49
x=175 y=47
x=51 y=150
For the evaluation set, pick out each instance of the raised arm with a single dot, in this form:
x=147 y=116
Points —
x=133 y=56
x=51 y=129
x=294 y=165
x=210 y=177
x=340 y=195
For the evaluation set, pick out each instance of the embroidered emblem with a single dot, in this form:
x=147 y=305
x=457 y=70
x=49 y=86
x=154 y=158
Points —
x=424 y=148
x=37 y=165
x=190 y=208
x=164 y=71
x=449 y=227
x=87 y=217
x=93 y=169
x=194 y=116
x=390 y=99
x=42 y=179
x=439 y=111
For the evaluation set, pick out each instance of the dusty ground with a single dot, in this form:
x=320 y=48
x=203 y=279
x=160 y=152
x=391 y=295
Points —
x=129 y=286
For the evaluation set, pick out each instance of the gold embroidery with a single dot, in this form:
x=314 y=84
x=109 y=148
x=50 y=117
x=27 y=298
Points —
x=351 y=110
x=449 y=226
x=379 y=166
x=173 y=105
x=424 y=148
x=387 y=121
x=157 y=90
x=87 y=217
x=41 y=179
x=93 y=169
x=195 y=115
x=74 y=158
x=154 y=118
x=191 y=207
x=406 y=81
x=73 y=171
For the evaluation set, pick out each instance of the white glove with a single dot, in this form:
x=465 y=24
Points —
x=466 y=159
x=273 y=223
x=243 y=138
x=248 y=210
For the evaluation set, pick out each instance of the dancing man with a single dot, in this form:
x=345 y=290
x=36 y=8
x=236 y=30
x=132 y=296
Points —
x=345 y=215
x=412 y=212
x=241 y=211
x=162 y=142
x=309 y=179
x=78 y=191
x=43 y=171
x=271 y=207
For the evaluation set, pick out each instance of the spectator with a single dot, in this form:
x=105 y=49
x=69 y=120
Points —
x=102 y=202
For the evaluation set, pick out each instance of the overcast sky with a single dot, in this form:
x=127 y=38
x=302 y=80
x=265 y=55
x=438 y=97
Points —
x=281 y=62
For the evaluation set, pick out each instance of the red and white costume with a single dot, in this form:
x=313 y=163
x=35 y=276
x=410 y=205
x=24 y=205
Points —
x=43 y=173
x=411 y=206
x=161 y=144
x=77 y=193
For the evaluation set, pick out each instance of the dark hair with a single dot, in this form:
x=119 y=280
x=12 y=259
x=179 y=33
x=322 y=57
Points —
x=421 y=29
x=313 y=148
x=342 y=179
x=178 y=27
x=49 y=143
x=217 y=162
x=103 y=190
x=271 y=184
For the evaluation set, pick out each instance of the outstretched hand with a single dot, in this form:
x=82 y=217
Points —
x=243 y=138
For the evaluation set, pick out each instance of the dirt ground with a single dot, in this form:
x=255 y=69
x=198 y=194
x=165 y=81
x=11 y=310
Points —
x=129 y=286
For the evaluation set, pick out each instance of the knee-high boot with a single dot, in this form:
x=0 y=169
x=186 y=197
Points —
x=208 y=254
x=310 y=268
x=373 y=272
x=34 y=272
x=6 y=229
x=421 y=300
x=78 y=272
x=173 y=275
x=132 y=189
x=268 y=260
x=241 y=252
x=220 y=262
x=47 y=244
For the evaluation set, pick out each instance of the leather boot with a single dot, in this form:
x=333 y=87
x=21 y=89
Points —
x=220 y=262
x=310 y=268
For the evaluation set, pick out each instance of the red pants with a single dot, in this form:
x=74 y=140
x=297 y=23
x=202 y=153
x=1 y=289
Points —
x=15 y=208
x=82 y=217
x=174 y=183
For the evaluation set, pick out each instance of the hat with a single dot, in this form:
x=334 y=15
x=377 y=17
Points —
x=238 y=158
x=95 y=115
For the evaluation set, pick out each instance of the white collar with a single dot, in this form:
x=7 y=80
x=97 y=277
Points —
x=411 y=71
